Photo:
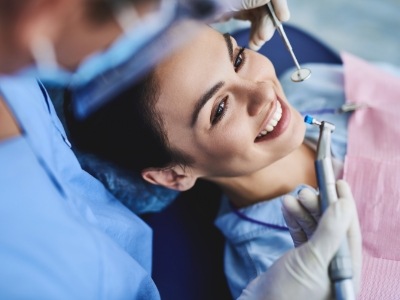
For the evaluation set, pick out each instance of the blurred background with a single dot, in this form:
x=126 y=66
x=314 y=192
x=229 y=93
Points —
x=369 y=29
x=366 y=28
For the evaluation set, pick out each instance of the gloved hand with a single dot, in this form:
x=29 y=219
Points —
x=301 y=215
x=302 y=273
x=255 y=11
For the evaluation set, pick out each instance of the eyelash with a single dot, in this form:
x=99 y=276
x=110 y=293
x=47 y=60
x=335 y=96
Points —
x=220 y=111
x=222 y=105
x=239 y=60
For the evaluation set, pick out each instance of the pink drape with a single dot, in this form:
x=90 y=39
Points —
x=372 y=167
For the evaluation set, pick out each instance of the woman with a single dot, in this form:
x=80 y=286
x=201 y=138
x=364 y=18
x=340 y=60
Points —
x=214 y=111
x=226 y=123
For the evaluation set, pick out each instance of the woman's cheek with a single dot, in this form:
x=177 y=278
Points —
x=237 y=137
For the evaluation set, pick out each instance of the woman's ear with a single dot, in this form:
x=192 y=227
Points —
x=175 y=178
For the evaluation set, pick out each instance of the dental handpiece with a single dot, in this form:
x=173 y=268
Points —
x=300 y=74
x=340 y=268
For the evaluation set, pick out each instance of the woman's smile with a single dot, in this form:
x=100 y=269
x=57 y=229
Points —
x=274 y=124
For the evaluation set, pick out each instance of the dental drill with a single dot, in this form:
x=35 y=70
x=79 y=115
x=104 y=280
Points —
x=300 y=74
x=340 y=268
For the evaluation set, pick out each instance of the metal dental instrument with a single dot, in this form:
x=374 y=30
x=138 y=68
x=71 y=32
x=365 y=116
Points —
x=340 y=268
x=300 y=74
x=348 y=107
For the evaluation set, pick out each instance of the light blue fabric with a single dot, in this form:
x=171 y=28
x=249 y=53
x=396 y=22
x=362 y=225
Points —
x=62 y=234
x=128 y=187
x=323 y=90
x=252 y=248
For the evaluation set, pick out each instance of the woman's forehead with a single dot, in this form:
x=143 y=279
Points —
x=203 y=36
x=193 y=62
x=191 y=71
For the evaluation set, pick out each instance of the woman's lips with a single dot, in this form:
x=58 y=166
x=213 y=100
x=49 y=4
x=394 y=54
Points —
x=280 y=126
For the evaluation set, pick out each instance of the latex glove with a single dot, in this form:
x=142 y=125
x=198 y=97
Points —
x=302 y=273
x=301 y=215
x=255 y=11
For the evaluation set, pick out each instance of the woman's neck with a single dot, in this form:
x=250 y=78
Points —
x=275 y=180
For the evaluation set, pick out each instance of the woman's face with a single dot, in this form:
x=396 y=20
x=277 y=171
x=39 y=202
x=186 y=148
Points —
x=225 y=107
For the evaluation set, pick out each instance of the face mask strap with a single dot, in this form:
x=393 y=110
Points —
x=43 y=53
x=126 y=17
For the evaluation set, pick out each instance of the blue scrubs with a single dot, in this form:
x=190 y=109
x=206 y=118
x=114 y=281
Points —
x=62 y=234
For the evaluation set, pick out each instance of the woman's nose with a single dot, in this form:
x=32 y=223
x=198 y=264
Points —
x=259 y=95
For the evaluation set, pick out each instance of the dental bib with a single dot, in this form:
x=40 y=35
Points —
x=372 y=168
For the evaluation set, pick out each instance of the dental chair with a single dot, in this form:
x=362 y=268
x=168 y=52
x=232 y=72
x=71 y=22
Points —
x=187 y=248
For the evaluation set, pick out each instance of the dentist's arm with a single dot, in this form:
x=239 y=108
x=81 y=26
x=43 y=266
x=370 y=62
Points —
x=255 y=11
x=302 y=273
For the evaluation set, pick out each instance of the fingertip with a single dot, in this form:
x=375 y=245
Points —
x=262 y=32
x=305 y=194
x=288 y=201
x=343 y=189
x=253 y=46
x=341 y=181
x=266 y=29
x=308 y=198
x=284 y=16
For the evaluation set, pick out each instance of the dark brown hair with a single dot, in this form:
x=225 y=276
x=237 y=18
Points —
x=128 y=131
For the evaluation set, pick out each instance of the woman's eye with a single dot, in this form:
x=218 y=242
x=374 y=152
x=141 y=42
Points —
x=237 y=64
x=219 y=111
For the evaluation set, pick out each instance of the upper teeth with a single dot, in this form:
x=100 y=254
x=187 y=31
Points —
x=274 y=120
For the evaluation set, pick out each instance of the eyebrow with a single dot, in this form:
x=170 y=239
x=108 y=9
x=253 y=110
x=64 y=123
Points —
x=212 y=91
x=204 y=99
x=228 y=41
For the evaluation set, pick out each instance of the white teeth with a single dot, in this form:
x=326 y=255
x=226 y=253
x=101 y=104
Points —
x=269 y=127
x=274 y=120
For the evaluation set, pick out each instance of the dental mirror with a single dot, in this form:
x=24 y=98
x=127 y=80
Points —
x=300 y=74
